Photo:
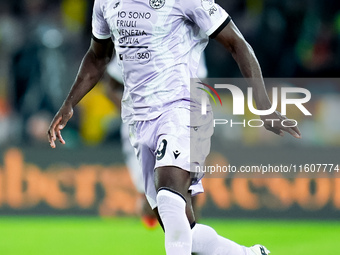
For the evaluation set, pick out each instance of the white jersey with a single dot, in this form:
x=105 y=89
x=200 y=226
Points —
x=159 y=45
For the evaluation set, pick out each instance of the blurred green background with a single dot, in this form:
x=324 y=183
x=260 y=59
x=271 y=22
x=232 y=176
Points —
x=69 y=236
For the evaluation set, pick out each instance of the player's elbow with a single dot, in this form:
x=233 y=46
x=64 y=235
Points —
x=97 y=58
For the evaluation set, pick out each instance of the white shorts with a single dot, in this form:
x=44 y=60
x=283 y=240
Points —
x=168 y=141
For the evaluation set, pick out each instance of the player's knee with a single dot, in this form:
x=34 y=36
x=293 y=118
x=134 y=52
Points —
x=173 y=178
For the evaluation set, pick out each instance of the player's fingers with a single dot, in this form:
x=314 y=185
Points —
x=61 y=126
x=61 y=140
x=51 y=138
x=297 y=130
x=293 y=132
x=52 y=132
x=52 y=143
x=292 y=129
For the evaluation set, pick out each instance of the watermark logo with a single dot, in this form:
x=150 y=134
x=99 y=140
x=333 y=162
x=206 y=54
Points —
x=204 y=99
x=239 y=102
x=239 y=99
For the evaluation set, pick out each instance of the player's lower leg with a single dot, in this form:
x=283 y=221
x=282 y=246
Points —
x=172 y=184
x=176 y=215
x=178 y=236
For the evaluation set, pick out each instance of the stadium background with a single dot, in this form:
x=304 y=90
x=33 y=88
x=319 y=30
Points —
x=79 y=199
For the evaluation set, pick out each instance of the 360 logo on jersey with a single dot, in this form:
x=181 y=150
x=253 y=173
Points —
x=142 y=56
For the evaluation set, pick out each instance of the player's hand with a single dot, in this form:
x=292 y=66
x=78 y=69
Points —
x=58 y=123
x=276 y=126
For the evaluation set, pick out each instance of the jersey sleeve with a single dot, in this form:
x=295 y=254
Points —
x=100 y=28
x=206 y=14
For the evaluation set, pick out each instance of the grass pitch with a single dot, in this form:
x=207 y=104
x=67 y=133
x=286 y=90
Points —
x=85 y=236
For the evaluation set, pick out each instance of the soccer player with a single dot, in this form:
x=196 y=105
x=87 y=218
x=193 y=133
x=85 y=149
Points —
x=159 y=43
x=114 y=92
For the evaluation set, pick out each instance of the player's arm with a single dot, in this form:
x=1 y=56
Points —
x=114 y=92
x=115 y=86
x=90 y=72
x=232 y=39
